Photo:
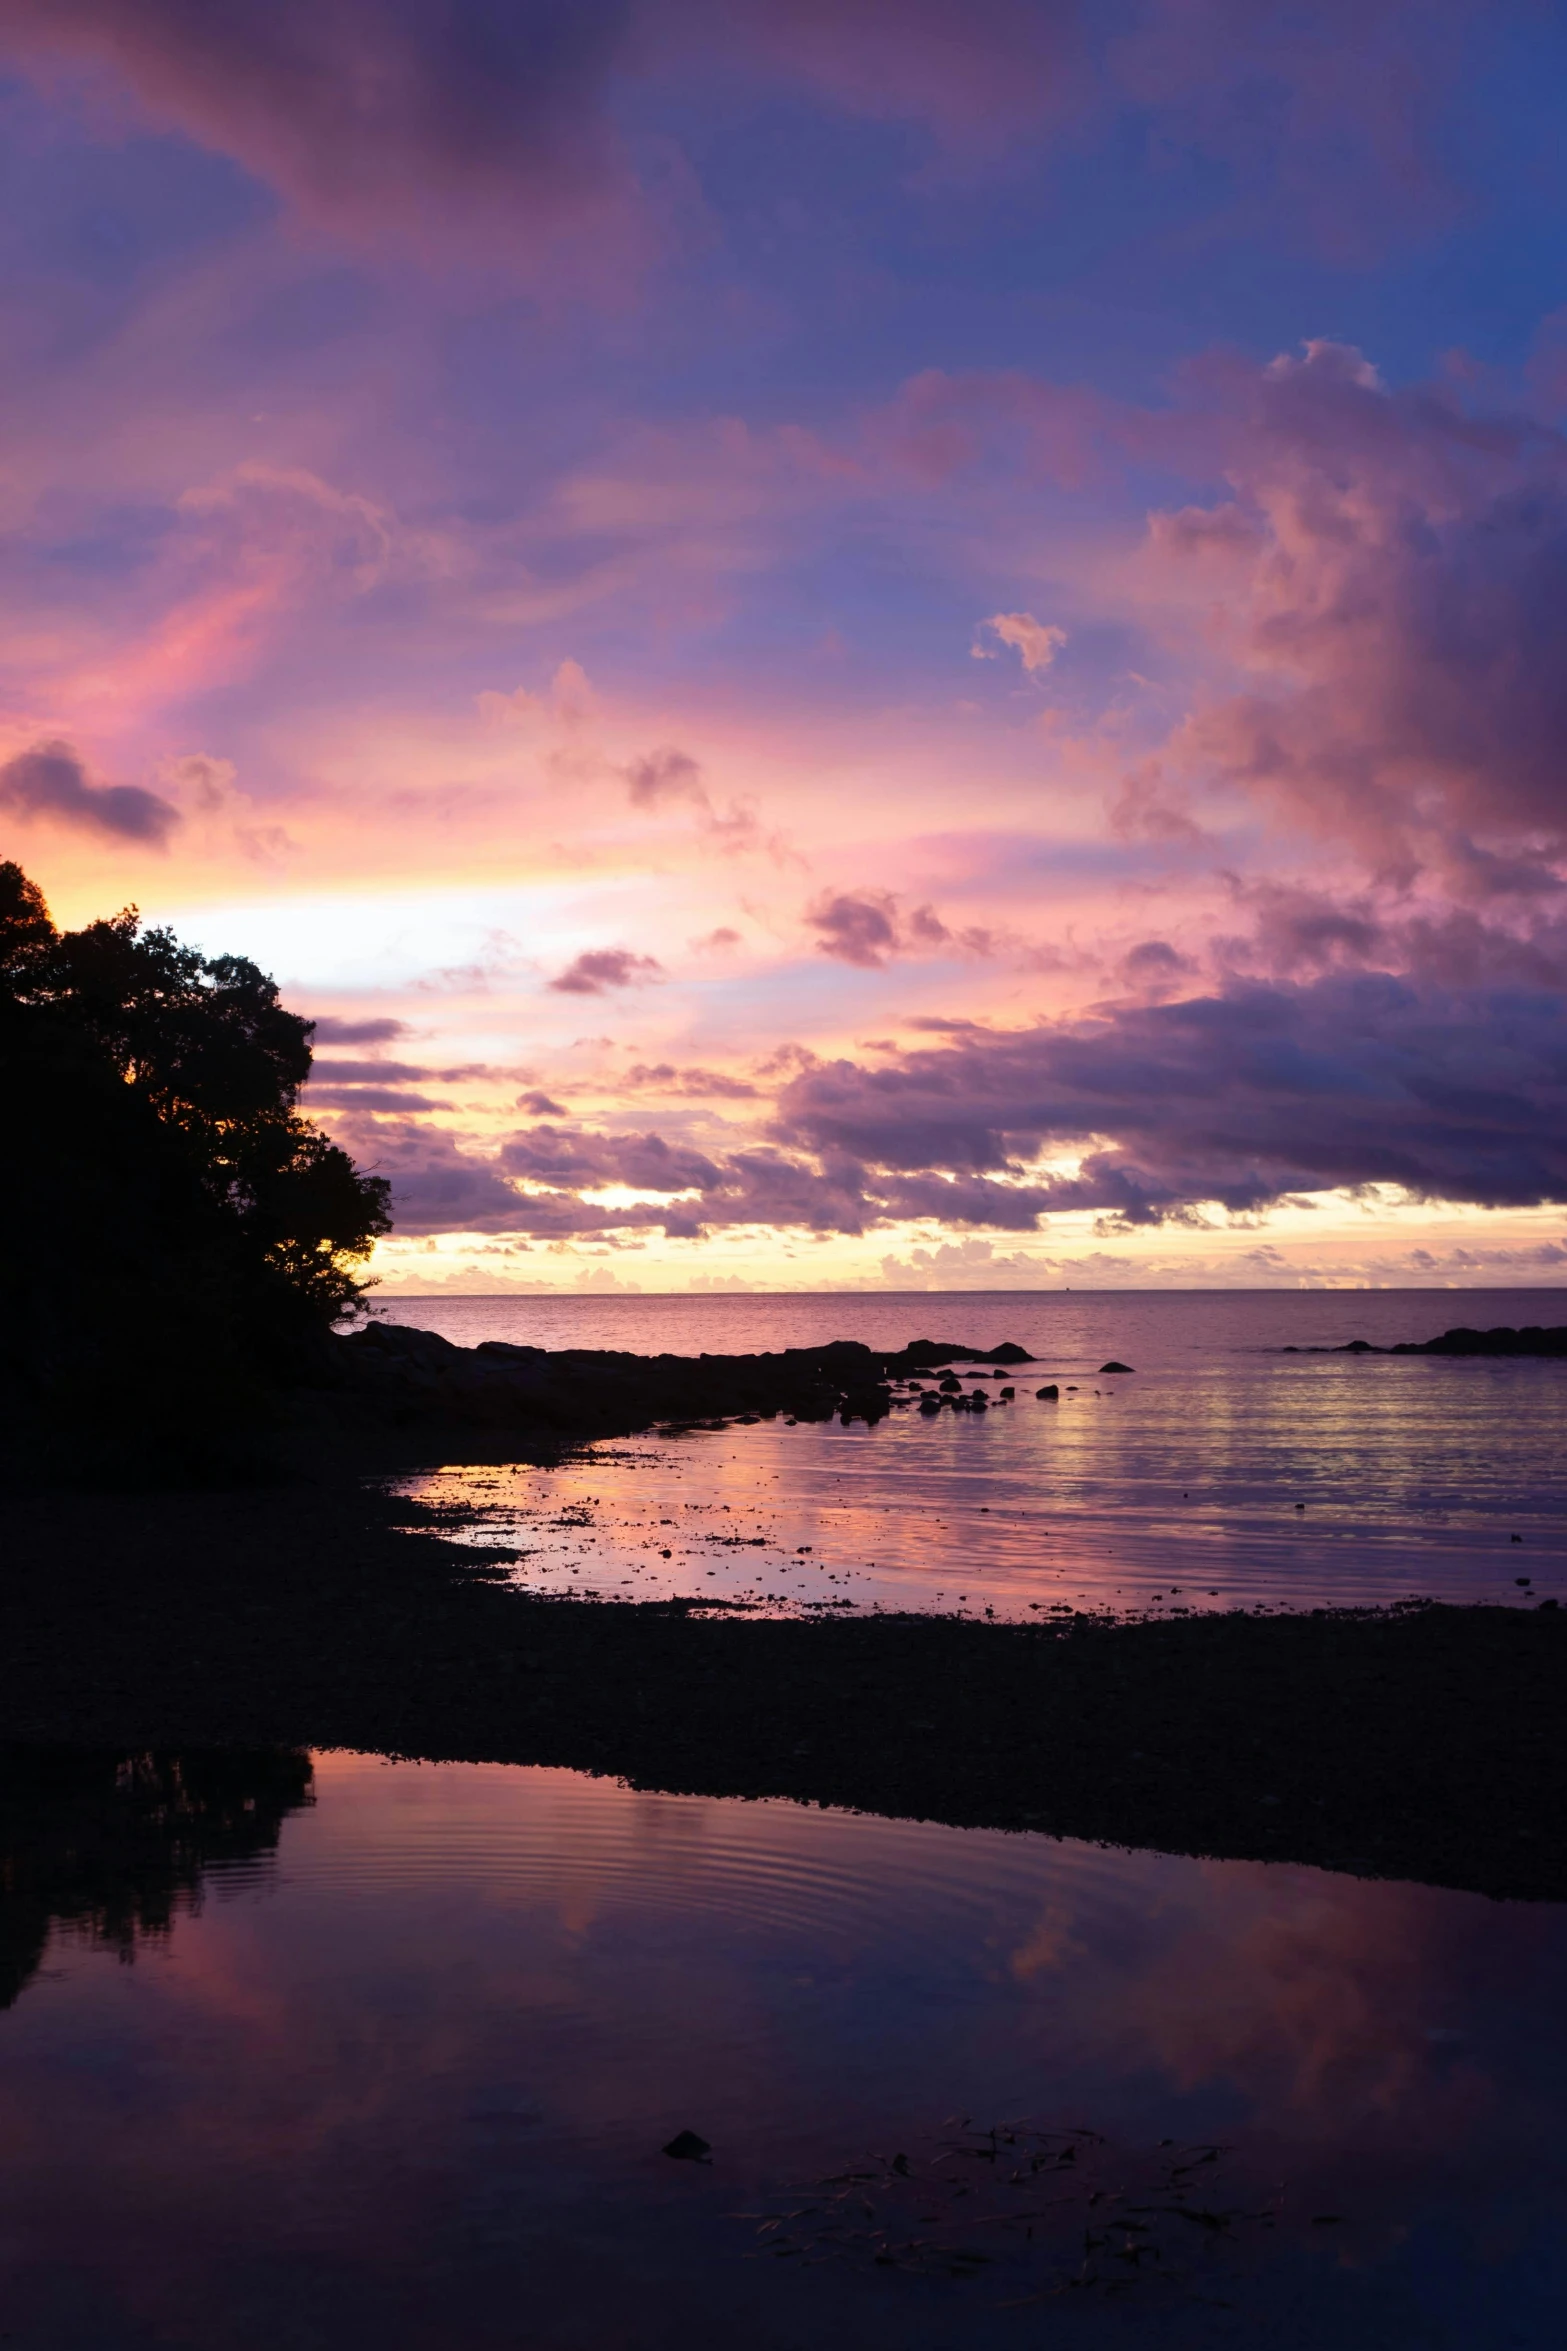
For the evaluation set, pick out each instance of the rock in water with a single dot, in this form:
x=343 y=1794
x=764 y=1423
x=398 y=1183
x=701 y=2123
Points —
x=1104 y=1367
x=688 y=2147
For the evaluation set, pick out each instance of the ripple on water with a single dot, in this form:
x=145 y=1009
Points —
x=418 y=2081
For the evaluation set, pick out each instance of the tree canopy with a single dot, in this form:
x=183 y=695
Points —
x=168 y=1217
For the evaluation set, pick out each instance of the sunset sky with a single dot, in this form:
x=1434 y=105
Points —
x=837 y=642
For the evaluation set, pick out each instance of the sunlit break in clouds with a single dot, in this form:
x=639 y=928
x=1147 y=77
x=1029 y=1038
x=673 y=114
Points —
x=836 y=645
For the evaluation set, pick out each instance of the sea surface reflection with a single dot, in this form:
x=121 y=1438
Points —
x=400 y=2067
x=1222 y=1473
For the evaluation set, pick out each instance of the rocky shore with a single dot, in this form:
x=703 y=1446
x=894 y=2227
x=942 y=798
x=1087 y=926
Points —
x=387 y=1375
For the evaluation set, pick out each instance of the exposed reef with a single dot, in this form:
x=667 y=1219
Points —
x=1533 y=1339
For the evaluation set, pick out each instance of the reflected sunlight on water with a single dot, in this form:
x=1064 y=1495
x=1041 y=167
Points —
x=1223 y=1482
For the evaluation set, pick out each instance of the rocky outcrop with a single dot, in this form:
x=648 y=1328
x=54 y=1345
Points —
x=1534 y=1338
x=389 y=1374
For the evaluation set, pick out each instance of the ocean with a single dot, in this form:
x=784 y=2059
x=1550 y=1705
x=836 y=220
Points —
x=1220 y=1472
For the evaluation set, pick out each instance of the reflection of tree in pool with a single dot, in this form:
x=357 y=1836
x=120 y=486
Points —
x=113 y=1846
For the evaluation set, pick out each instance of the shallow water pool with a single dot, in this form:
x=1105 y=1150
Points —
x=371 y=2052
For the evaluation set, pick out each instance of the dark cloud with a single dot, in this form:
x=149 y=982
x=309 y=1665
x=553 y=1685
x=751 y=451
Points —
x=331 y=1031
x=1155 y=968
x=1240 y=1098
x=390 y=1098
x=50 y=781
x=489 y=126
x=662 y=776
x=830 y=1191
x=496 y=117
x=1255 y=1093
x=374 y=1073
x=374 y=116
x=1296 y=932
x=699 y=1085
x=570 y=1155
x=539 y=1105
x=437 y=1187
x=941 y=1025
x=341 y=1075
x=868 y=927
x=670 y=778
x=603 y=968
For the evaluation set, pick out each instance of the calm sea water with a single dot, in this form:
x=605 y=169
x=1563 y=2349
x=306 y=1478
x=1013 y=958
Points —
x=1222 y=1472
x=397 y=2067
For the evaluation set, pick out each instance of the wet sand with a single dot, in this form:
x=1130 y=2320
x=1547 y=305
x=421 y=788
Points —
x=1425 y=1743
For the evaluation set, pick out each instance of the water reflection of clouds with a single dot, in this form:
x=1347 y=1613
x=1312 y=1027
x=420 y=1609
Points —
x=430 y=2072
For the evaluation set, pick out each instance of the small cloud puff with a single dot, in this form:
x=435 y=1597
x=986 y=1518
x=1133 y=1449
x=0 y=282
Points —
x=669 y=778
x=868 y=927
x=1035 y=642
x=599 y=969
x=50 y=781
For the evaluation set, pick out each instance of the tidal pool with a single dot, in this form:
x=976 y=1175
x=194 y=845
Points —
x=308 y=2052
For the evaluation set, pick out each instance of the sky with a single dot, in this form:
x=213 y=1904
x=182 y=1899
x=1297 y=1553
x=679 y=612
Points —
x=837 y=644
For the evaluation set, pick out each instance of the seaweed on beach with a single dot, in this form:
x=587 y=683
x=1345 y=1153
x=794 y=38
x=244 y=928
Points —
x=1038 y=2211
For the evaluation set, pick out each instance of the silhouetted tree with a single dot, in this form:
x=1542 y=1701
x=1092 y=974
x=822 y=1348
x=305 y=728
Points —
x=176 y=1239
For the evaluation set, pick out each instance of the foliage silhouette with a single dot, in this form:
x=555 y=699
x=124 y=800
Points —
x=177 y=1239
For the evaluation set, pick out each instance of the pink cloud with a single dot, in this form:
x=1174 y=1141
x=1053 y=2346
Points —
x=1395 y=622
x=1036 y=643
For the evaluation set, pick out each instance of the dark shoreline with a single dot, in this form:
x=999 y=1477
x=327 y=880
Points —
x=1426 y=1743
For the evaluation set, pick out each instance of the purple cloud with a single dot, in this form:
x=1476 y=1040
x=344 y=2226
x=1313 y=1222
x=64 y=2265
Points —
x=664 y=776
x=51 y=781
x=1240 y=1098
x=602 y=968
x=698 y=1085
x=493 y=126
x=359 y=1097
x=373 y=1073
x=437 y=1187
x=368 y=114
x=328 y=1030
x=569 y=1155
x=868 y=927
